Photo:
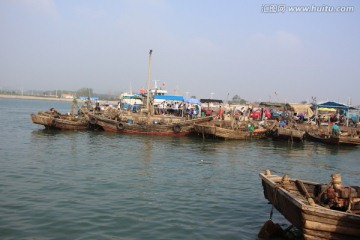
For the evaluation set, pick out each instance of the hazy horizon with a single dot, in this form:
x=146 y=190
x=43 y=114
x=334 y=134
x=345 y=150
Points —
x=204 y=48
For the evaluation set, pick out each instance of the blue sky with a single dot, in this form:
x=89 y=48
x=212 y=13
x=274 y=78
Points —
x=204 y=47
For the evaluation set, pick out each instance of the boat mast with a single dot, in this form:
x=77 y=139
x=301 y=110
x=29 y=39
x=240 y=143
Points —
x=148 y=86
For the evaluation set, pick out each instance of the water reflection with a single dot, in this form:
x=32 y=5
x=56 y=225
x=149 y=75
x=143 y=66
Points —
x=147 y=149
x=331 y=149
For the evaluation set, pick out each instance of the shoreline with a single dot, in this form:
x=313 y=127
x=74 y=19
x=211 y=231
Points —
x=35 y=98
x=46 y=98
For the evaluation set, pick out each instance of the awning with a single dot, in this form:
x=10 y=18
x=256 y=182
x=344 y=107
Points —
x=169 y=98
x=331 y=104
x=301 y=108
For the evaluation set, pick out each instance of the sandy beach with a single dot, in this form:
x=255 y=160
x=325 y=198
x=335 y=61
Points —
x=35 y=98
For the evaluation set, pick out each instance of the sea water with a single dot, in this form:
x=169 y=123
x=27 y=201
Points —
x=99 y=185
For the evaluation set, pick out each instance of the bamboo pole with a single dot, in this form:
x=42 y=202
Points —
x=232 y=113
x=148 y=84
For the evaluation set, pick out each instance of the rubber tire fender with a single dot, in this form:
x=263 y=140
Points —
x=93 y=120
x=53 y=123
x=177 y=128
x=120 y=126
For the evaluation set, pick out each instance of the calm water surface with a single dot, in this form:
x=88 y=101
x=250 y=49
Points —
x=97 y=185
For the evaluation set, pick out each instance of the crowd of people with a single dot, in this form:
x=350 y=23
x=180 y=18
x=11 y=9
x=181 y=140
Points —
x=177 y=109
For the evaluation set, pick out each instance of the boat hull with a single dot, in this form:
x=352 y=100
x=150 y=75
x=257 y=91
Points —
x=329 y=139
x=178 y=128
x=46 y=121
x=60 y=122
x=71 y=124
x=211 y=130
x=315 y=222
x=287 y=134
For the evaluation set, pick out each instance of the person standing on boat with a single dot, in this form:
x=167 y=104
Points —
x=191 y=112
x=97 y=106
x=221 y=113
x=302 y=117
x=73 y=106
x=282 y=123
x=176 y=108
x=335 y=129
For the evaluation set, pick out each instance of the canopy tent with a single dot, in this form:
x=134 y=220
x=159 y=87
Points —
x=332 y=104
x=300 y=108
x=343 y=109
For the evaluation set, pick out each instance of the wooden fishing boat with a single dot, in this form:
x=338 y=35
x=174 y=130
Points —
x=171 y=126
x=322 y=137
x=349 y=140
x=290 y=134
x=71 y=123
x=58 y=121
x=319 y=211
x=43 y=119
x=218 y=129
x=334 y=140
